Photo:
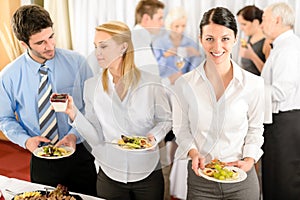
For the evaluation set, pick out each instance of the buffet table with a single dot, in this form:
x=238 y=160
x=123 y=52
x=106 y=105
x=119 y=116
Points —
x=19 y=186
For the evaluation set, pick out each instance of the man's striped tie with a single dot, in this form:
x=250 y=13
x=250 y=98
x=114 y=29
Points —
x=47 y=119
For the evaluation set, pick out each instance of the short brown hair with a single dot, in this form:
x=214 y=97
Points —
x=28 y=20
x=148 y=7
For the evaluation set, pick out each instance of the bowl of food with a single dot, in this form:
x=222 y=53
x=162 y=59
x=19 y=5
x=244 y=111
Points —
x=59 y=102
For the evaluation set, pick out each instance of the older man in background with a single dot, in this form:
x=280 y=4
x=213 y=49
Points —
x=281 y=160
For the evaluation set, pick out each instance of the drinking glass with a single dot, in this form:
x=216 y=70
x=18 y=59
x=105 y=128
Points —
x=180 y=57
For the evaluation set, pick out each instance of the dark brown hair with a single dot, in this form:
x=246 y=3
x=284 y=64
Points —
x=28 y=20
x=221 y=16
x=250 y=13
x=148 y=7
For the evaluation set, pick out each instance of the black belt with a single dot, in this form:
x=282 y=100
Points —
x=287 y=111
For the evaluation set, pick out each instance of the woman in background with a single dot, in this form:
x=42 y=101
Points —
x=175 y=52
x=123 y=101
x=217 y=113
x=254 y=52
x=256 y=49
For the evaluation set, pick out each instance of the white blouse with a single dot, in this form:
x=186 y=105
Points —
x=144 y=110
x=228 y=129
x=143 y=54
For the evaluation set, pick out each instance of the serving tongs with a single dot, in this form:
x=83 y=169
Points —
x=114 y=143
x=11 y=192
x=47 y=190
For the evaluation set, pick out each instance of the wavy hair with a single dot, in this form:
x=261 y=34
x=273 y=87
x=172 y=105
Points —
x=173 y=15
x=29 y=20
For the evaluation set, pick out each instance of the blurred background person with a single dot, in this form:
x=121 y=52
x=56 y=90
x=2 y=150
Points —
x=175 y=52
x=281 y=72
x=149 y=18
x=255 y=50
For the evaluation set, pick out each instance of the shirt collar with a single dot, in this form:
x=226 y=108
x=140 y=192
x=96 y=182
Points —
x=282 y=37
x=110 y=78
x=142 y=32
x=237 y=72
x=35 y=66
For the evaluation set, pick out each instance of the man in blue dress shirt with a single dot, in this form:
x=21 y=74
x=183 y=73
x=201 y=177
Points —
x=19 y=96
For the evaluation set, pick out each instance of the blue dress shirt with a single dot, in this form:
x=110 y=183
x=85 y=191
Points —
x=167 y=66
x=19 y=83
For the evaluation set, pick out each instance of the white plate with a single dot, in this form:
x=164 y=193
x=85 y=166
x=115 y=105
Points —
x=39 y=151
x=115 y=143
x=242 y=175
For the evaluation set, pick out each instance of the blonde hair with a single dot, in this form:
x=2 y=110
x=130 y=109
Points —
x=120 y=33
x=173 y=15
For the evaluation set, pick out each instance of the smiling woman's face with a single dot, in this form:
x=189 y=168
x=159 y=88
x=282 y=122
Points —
x=217 y=42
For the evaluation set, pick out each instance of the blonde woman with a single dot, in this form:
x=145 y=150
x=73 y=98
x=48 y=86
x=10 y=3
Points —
x=123 y=101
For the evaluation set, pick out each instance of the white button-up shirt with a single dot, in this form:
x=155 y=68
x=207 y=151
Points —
x=143 y=54
x=144 y=110
x=230 y=128
x=281 y=73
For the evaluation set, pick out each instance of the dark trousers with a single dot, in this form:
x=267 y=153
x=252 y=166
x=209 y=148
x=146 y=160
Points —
x=77 y=172
x=281 y=159
x=200 y=188
x=150 y=188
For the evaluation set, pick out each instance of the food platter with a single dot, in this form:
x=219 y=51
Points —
x=60 y=152
x=241 y=175
x=134 y=143
x=43 y=195
x=30 y=194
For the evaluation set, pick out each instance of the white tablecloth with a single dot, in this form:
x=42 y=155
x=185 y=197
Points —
x=19 y=186
x=178 y=179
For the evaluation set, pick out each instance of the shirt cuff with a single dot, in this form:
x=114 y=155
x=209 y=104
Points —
x=24 y=138
x=73 y=130
x=268 y=105
x=253 y=152
x=183 y=153
x=166 y=81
